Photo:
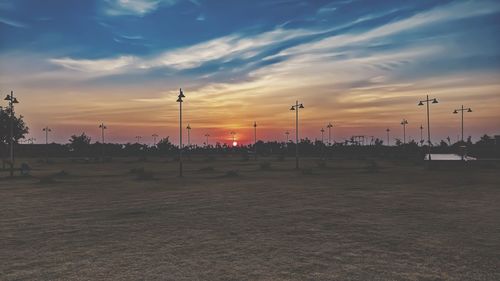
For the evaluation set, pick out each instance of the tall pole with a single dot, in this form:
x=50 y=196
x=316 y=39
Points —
x=462 y=110
x=103 y=127
x=329 y=126
x=427 y=100
x=421 y=134
x=46 y=130
x=296 y=107
x=206 y=143
x=388 y=130
x=297 y=135
x=189 y=135
x=404 y=122
x=255 y=138
x=179 y=100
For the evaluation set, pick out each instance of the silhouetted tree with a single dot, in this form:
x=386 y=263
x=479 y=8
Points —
x=79 y=144
x=20 y=128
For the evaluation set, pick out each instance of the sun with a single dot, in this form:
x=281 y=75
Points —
x=235 y=143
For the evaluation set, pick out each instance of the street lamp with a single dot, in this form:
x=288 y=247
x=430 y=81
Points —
x=462 y=110
x=154 y=139
x=138 y=138
x=102 y=127
x=206 y=143
x=180 y=101
x=427 y=100
x=296 y=107
x=233 y=134
x=421 y=135
x=322 y=134
x=329 y=126
x=12 y=100
x=404 y=123
x=47 y=130
x=189 y=135
x=388 y=142
x=255 y=139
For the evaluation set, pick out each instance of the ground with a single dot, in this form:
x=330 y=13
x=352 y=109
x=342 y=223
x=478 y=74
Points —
x=230 y=219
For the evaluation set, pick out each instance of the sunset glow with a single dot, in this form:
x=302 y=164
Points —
x=363 y=66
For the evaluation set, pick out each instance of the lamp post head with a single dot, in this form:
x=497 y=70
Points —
x=455 y=111
x=434 y=101
x=255 y=124
x=387 y=130
x=292 y=108
x=469 y=110
x=329 y=125
x=188 y=127
x=420 y=103
x=181 y=93
x=301 y=106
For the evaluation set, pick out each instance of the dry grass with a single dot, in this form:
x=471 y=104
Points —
x=339 y=222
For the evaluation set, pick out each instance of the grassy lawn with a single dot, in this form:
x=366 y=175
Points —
x=230 y=219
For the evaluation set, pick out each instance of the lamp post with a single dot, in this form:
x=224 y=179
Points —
x=255 y=139
x=329 y=126
x=206 y=143
x=180 y=101
x=296 y=107
x=154 y=139
x=189 y=135
x=12 y=100
x=102 y=127
x=404 y=123
x=287 y=133
x=421 y=135
x=232 y=134
x=47 y=130
x=427 y=100
x=138 y=138
x=388 y=130
x=462 y=110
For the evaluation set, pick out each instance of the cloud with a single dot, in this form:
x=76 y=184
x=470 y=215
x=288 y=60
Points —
x=12 y=23
x=135 y=7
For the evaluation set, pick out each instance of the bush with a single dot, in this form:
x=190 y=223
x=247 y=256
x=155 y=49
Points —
x=372 y=167
x=207 y=169
x=265 y=166
x=232 y=174
x=307 y=171
x=321 y=164
x=145 y=175
x=136 y=171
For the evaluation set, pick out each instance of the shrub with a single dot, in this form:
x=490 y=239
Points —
x=145 y=175
x=307 y=171
x=232 y=174
x=206 y=169
x=321 y=164
x=265 y=166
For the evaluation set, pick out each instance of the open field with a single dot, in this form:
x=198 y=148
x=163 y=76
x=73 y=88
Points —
x=347 y=221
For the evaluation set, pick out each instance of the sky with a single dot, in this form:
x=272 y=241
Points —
x=361 y=65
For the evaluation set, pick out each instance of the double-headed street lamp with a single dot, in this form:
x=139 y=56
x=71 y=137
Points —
x=421 y=135
x=138 y=138
x=206 y=136
x=388 y=130
x=102 y=127
x=427 y=100
x=296 y=107
x=12 y=100
x=189 y=135
x=180 y=101
x=329 y=126
x=255 y=139
x=404 y=122
x=322 y=135
x=154 y=139
x=47 y=130
x=462 y=110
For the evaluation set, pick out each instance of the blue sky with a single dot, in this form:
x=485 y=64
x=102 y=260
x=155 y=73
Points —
x=359 y=64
